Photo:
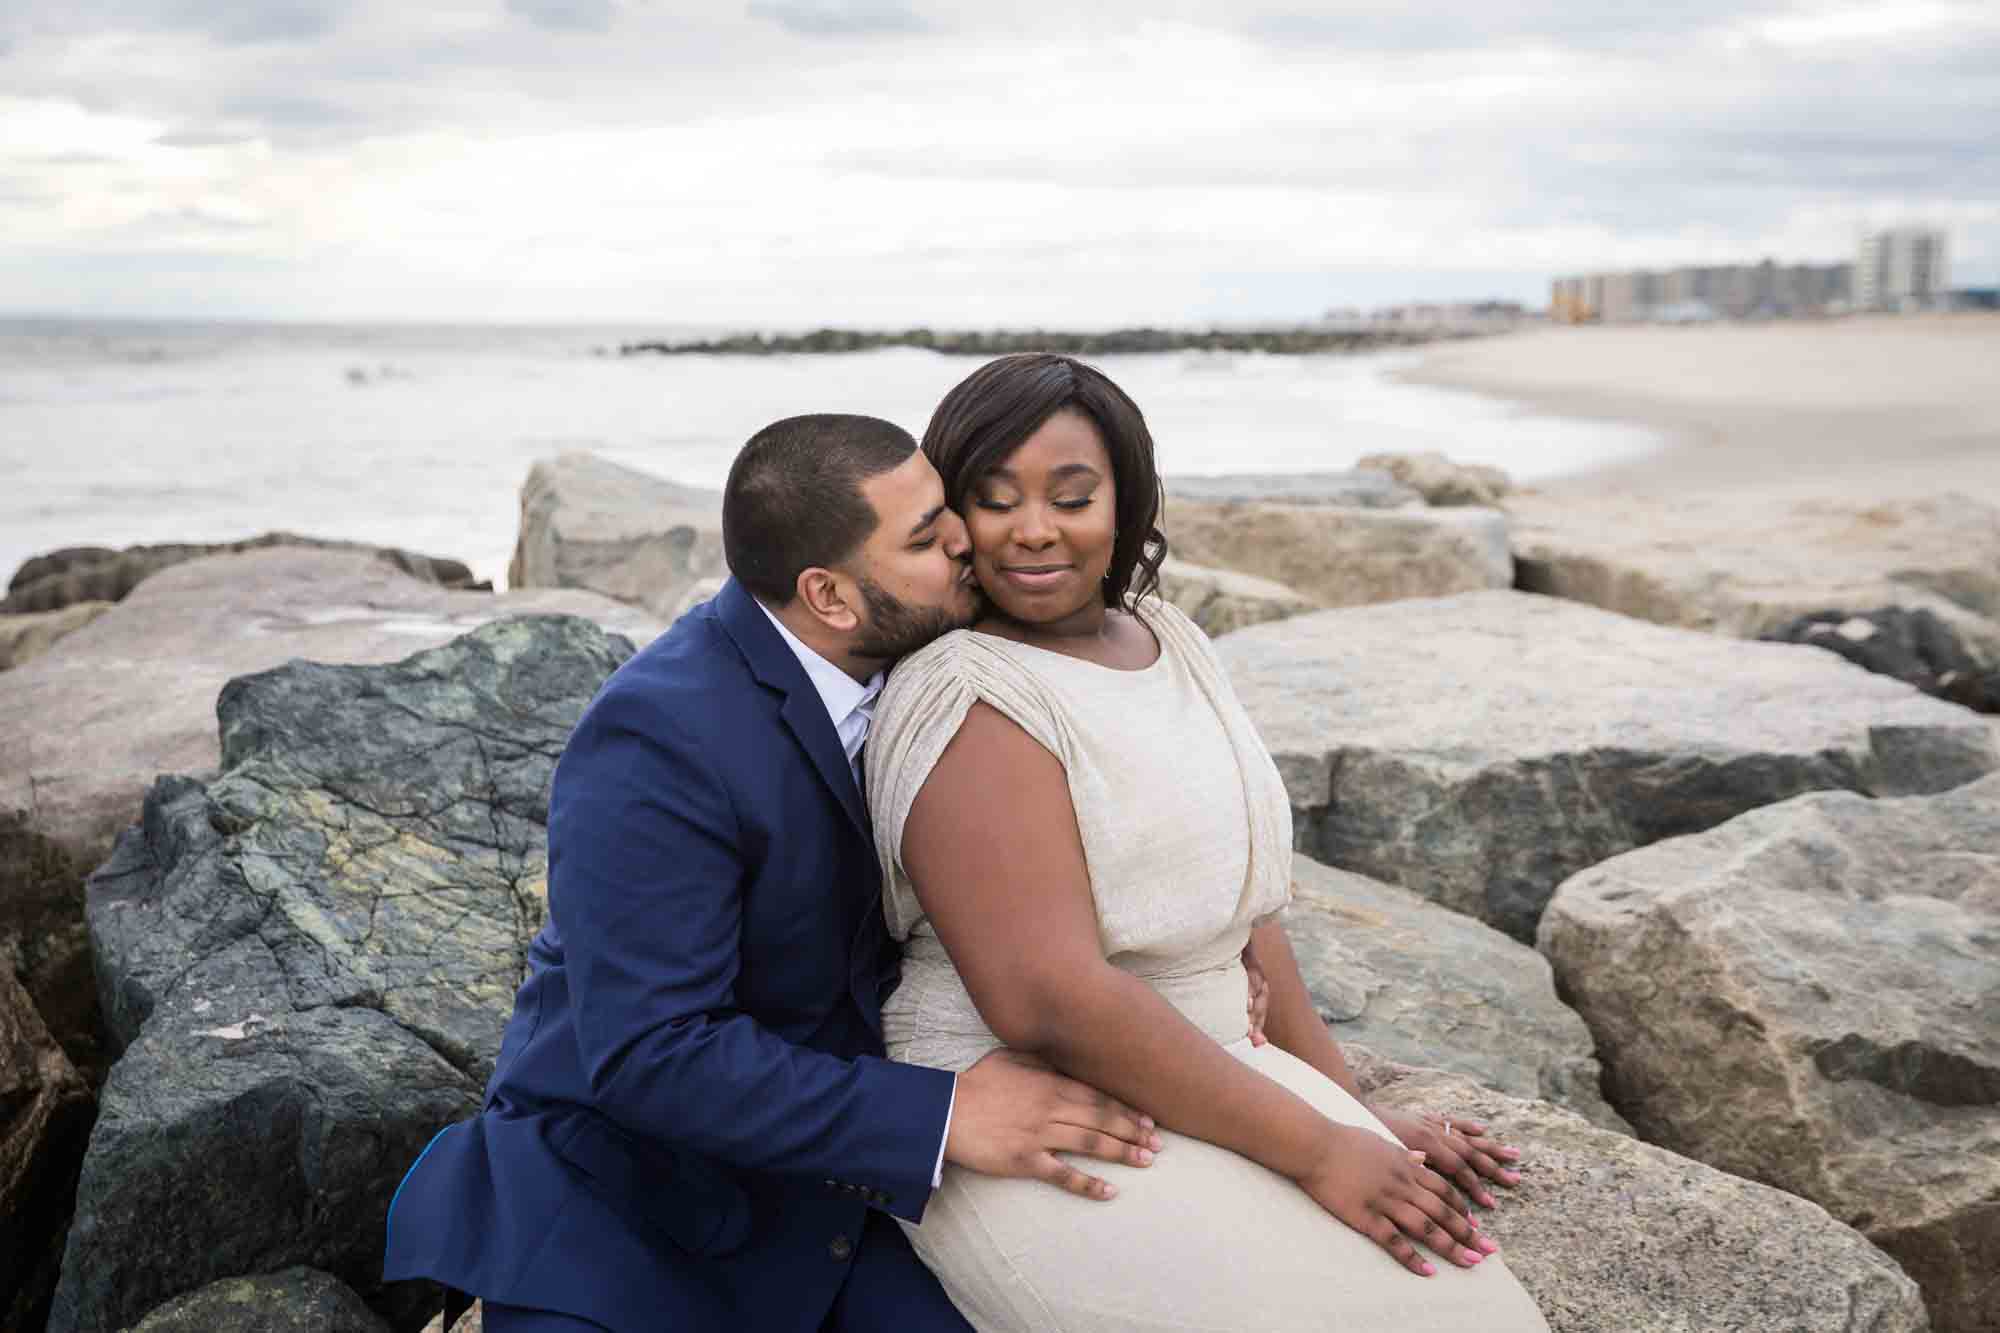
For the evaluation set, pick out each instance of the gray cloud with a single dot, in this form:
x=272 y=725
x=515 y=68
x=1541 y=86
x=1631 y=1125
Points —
x=567 y=15
x=839 y=18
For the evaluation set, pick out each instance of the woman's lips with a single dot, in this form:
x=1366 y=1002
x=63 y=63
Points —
x=1034 y=578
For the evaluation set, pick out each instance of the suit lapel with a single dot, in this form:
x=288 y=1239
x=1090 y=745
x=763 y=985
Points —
x=775 y=667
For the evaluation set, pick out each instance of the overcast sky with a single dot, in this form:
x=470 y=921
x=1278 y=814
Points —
x=883 y=161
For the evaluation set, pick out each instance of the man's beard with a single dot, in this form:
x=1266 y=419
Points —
x=897 y=629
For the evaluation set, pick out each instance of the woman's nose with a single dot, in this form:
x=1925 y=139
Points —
x=1032 y=527
x=953 y=534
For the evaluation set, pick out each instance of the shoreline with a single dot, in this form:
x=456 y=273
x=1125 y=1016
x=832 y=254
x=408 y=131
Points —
x=1891 y=404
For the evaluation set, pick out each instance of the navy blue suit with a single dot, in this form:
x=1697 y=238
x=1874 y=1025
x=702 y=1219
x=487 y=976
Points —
x=690 y=1117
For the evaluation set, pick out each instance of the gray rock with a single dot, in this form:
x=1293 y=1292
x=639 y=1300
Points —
x=85 y=729
x=1480 y=749
x=45 y=1113
x=1343 y=556
x=1612 y=1235
x=590 y=523
x=1430 y=987
x=1358 y=489
x=312 y=958
x=1441 y=481
x=1915 y=647
x=26 y=637
x=1809 y=995
x=295 y=1300
x=1746 y=561
x=96 y=573
x=1221 y=600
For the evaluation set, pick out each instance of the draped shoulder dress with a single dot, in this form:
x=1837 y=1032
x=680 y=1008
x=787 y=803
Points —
x=1187 y=838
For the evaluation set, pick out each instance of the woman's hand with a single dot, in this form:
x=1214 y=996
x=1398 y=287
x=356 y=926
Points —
x=1388 y=1195
x=1458 y=1149
x=1260 y=997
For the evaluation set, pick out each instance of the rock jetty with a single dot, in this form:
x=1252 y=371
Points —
x=1480 y=749
x=1282 y=342
x=1809 y=995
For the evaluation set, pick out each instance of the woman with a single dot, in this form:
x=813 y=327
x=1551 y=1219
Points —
x=1080 y=832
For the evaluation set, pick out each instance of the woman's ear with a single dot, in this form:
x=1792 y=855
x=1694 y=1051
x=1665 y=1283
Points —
x=832 y=598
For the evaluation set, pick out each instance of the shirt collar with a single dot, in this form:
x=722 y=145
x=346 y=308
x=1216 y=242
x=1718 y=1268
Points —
x=840 y=692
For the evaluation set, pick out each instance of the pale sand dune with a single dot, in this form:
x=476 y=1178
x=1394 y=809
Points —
x=1864 y=406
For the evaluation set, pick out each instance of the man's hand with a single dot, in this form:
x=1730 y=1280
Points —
x=1458 y=1150
x=1013 y=1114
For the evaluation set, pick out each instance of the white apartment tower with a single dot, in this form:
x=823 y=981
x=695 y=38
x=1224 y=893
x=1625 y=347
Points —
x=1901 y=267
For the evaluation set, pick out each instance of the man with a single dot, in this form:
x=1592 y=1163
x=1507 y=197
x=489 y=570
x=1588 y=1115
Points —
x=690 y=1125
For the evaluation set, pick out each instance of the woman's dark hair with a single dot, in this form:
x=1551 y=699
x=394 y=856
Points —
x=987 y=416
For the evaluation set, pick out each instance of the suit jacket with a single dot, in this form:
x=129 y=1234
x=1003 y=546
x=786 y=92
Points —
x=690 y=1114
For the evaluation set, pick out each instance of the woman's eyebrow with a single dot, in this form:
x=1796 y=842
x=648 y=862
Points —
x=1056 y=473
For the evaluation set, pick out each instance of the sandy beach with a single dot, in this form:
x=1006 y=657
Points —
x=1889 y=406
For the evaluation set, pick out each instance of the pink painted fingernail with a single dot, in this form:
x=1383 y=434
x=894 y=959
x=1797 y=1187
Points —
x=1488 y=1246
x=1145 y=1158
x=1510 y=1153
x=1110 y=1190
x=1428 y=1271
x=1157 y=1142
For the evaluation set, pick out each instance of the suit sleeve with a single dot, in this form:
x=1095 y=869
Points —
x=646 y=883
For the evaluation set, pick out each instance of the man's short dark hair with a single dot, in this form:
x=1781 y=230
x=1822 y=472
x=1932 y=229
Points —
x=794 y=501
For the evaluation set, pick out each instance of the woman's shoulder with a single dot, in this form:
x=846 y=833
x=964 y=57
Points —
x=961 y=663
x=1171 y=626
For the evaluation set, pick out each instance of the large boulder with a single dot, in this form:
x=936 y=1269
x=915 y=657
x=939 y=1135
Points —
x=308 y=962
x=589 y=523
x=1433 y=987
x=27 y=636
x=1430 y=987
x=1748 y=561
x=85 y=729
x=1343 y=555
x=1441 y=481
x=1613 y=1235
x=98 y=573
x=45 y=1111
x=1221 y=600
x=1809 y=995
x=294 y=1300
x=1480 y=749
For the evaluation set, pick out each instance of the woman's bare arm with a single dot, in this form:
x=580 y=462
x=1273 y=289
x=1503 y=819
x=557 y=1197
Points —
x=993 y=850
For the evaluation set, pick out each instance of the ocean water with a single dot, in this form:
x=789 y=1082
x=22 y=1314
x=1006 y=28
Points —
x=118 y=433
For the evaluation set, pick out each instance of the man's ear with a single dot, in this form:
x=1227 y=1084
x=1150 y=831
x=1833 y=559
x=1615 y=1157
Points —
x=832 y=598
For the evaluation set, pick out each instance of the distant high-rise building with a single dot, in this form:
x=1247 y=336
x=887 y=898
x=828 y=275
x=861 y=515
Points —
x=1901 y=267
x=1729 y=291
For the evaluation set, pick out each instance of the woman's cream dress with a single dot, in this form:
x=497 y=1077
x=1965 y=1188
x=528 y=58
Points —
x=1187 y=835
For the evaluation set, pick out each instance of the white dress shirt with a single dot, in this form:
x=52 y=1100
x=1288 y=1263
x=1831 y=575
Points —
x=851 y=706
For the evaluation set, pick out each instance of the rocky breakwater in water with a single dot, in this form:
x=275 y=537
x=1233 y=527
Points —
x=1612 y=1235
x=1809 y=995
x=307 y=962
x=1337 y=539
x=1747 y=562
x=590 y=523
x=1479 y=749
x=1428 y=986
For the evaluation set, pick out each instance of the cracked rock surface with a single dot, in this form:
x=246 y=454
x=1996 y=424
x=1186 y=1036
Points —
x=1612 y=1235
x=1482 y=748
x=1430 y=987
x=297 y=1300
x=308 y=962
x=1810 y=995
